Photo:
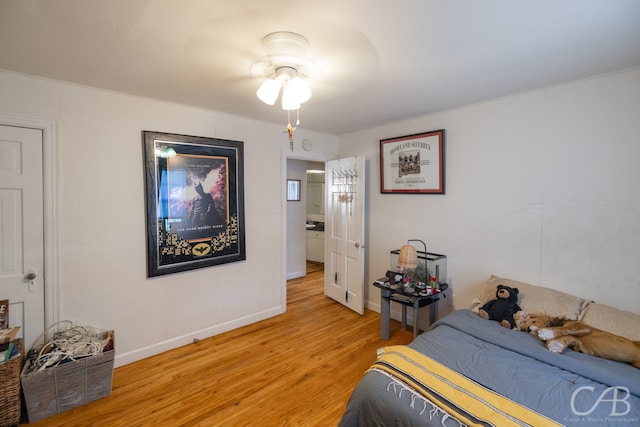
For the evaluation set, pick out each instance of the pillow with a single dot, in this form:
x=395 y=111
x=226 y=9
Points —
x=618 y=322
x=534 y=299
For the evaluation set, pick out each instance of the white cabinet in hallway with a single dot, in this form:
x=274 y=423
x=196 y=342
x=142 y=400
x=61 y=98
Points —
x=315 y=245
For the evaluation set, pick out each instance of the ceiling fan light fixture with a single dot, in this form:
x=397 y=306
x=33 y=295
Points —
x=289 y=99
x=300 y=89
x=285 y=44
x=268 y=91
x=286 y=68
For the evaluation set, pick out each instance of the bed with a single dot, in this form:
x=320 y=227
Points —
x=469 y=371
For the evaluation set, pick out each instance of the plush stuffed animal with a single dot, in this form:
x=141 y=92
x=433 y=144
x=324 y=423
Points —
x=503 y=307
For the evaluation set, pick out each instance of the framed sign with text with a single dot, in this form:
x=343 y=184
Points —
x=413 y=164
x=195 y=202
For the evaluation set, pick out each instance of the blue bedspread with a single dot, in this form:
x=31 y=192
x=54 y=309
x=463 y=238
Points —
x=572 y=388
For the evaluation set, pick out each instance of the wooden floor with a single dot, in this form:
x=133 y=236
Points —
x=296 y=369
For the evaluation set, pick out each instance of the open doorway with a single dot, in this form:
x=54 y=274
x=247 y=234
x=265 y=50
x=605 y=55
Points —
x=342 y=223
x=305 y=218
x=314 y=215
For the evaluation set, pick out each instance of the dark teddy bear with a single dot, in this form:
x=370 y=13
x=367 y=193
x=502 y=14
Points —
x=503 y=308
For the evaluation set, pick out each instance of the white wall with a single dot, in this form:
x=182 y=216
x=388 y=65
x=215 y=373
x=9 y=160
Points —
x=101 y=216
x=542 y=187
x=296 y=242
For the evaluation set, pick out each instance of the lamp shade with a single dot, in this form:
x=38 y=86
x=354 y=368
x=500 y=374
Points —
x=289 y=98
x=300 y=89
x=408 y=257
x=268 y=91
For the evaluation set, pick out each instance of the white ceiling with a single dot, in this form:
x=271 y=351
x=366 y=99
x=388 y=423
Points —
x=381 y=60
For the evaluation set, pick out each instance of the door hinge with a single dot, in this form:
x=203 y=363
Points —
x=335 y=278
x=346 y=296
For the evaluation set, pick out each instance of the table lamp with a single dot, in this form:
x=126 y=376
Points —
x=408 y=257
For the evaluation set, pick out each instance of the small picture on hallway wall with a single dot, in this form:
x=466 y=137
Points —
x=293 y=190
x=195 y=202
x=413 y=164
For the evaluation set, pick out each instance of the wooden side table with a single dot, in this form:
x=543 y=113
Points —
x=388 y=294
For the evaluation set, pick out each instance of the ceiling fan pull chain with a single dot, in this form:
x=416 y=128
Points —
x=290 y=130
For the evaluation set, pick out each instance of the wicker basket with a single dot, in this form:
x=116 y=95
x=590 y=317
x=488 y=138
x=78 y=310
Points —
x=10 y=388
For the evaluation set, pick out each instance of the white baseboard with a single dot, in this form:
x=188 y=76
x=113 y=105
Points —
x=170 y=344
x=295 y=275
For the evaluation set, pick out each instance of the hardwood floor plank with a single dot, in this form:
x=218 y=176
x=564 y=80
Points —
x=295 y=369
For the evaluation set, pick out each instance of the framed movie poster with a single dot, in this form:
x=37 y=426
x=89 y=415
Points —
x=195 y=202
x=413 y=164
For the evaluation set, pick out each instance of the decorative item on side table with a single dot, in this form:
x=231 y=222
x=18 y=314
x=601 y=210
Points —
x=420 y=282
x=434 y=263
x=413 y=283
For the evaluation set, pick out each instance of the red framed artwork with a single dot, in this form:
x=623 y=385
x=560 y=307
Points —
x=413 y=164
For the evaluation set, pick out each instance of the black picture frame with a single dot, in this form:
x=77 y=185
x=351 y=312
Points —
x=194 y=202
x=293 y=190
x=413 y=164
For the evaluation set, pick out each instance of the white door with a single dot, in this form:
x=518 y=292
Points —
x=344 y=232
x=22 y=230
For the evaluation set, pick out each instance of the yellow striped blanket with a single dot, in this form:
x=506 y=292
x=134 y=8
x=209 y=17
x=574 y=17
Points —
x=459 y=396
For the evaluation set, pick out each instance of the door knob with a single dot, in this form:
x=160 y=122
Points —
x=30 y=276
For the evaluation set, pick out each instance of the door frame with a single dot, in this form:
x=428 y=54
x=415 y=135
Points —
x=50 y=206
x=286 y=155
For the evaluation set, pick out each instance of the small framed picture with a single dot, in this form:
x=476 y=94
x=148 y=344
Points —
x=413 y=164
x=293 y=190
